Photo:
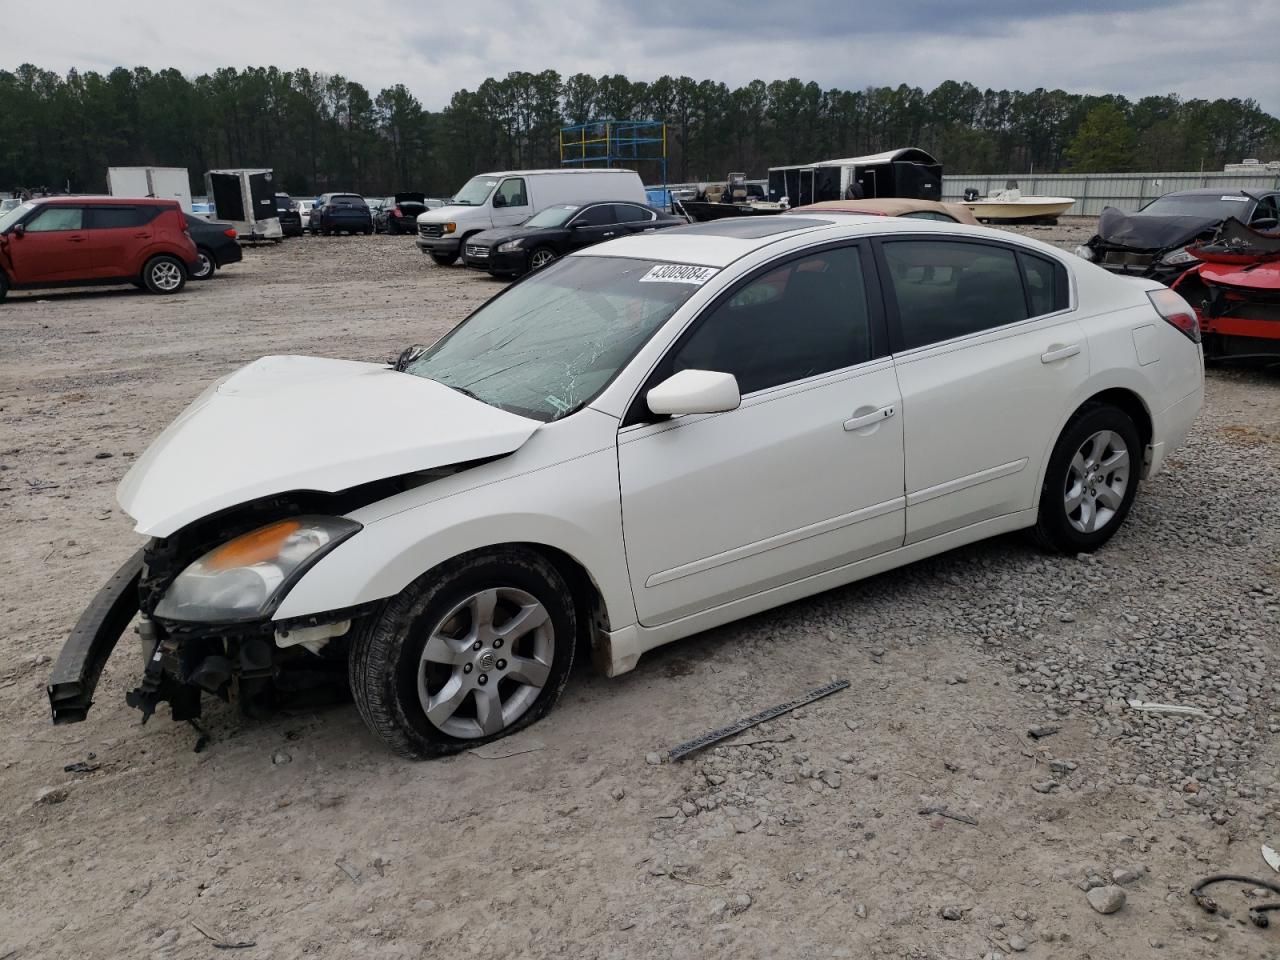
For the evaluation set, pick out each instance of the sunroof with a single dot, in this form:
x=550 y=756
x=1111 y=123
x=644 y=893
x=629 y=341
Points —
x=752 y=227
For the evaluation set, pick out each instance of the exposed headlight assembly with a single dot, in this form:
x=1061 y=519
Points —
x=1085 y=252
x=246 y=578
x=1178 y=256
x=511 y=246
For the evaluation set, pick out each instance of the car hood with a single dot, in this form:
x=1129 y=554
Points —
x=1137 y=231
x=306 y=423
x=503 y=234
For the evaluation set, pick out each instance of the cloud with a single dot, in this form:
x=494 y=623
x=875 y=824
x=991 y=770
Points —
x=1133 y=47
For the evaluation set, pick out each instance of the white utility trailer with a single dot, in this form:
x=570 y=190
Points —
x=168 y=183
x=245 y=198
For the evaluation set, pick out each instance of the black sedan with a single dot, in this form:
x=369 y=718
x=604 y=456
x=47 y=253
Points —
x=1152 y=242
x=336 y=212
x=557 y=230
x=216 y=245
x=290 y=218
x=400 y=215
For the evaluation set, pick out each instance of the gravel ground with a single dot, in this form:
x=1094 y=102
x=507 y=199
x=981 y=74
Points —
x=804 y=837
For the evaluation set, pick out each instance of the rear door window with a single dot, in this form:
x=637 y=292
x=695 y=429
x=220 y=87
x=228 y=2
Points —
x=59 y=217
x=599 y=215
x=117 y=217
x=1046 y=283
x=946 y=289
x=630 y=213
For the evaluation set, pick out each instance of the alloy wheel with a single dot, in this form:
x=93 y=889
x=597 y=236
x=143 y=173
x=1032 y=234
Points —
x=540 y=258
x=485 y=663
x=205 y=269
x=166 y=275
x=1097 y=480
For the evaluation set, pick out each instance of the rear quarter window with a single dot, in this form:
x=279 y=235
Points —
x=1047 y=284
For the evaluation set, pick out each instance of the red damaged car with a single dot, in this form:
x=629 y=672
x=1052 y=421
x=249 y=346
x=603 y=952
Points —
x=1235 y=291
x=81 y=241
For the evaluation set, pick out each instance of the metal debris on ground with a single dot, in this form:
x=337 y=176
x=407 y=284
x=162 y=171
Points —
x=697 y=743
x=1270 y=855
x=348 y=869
x=80 y=766
x=223 y=944
x=506 y=748
x=950 y=815
x=203 y=740
x=1039 y=733
x=1148 y=707
x=1257 y=915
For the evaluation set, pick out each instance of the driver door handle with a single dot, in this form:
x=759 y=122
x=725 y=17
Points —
x=870 y=419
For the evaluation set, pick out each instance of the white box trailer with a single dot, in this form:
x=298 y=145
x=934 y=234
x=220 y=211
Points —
x=169 y=183
x=245 y=198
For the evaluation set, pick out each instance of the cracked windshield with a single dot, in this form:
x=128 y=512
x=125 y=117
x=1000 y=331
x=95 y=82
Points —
x=549 y=344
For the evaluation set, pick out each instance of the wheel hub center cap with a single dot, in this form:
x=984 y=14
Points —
x=487 y=660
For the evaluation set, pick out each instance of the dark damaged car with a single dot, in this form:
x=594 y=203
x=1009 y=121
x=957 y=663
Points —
x=1152 y=242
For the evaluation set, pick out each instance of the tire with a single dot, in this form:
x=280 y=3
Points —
x=206 y=267
x=393 y=667
x=164 y=274
x=392 y=229
x=1091 y=481
x=540 y=257
x=445 y=259
x=4 y=286
x=368 y=231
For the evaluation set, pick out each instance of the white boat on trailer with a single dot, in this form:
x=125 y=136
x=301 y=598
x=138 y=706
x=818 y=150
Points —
x=1010 y=206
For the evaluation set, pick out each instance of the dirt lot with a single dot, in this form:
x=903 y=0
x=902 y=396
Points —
x=305 y=837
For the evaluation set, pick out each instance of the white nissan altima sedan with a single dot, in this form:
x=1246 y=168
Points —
x=644 y=440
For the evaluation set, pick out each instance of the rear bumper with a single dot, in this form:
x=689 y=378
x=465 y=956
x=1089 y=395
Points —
x=79 y=666
x=229 y=253
x=1171 y=426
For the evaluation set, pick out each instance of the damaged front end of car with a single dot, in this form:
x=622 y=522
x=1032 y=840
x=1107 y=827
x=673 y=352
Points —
x=205 y=599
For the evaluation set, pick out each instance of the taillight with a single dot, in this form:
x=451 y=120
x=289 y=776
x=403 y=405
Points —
x=395 y=211
x=1176 y=311
x=230 y=232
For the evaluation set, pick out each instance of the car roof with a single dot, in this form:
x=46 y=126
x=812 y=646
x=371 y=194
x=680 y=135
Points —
x=721 y=242
x=1211 y=192
x=887 y=206
x=107 y=200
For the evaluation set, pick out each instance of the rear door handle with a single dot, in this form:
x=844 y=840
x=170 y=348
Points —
x=1059 y=353
x=870 y=419
x=76 y=239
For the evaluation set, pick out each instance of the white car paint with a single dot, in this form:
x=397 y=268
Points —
x=306 y=423
x=692 y=522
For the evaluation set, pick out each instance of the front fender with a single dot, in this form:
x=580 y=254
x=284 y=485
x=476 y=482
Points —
x=572 y=506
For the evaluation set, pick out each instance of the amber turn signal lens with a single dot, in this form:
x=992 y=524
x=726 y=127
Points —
x=257 y=547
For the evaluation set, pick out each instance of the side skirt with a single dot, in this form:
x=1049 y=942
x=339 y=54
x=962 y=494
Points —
x=618 y=651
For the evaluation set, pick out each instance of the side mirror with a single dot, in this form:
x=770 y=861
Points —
x=499 y=200
x=20 y=230
x=695 y=391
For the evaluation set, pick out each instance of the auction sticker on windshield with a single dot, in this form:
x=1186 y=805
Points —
x=679 y=273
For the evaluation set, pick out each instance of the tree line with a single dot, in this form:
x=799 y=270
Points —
x=322 y=131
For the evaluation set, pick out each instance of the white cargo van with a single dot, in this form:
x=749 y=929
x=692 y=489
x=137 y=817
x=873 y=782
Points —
x=511 y=197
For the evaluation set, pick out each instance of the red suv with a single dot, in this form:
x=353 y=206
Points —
x=75 y=241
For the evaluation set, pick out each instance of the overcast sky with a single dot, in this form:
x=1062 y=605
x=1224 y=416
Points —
x=1135 y=47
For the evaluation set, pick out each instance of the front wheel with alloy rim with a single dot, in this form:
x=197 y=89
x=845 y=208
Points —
x=540 y=257
x=474 y=650
x=1091 y=480
x=164 y=274
x=205 y=265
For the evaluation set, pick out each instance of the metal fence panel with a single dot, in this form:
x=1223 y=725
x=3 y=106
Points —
x=1094 y=191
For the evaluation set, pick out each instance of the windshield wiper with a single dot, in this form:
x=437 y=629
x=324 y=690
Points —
x=465 y=392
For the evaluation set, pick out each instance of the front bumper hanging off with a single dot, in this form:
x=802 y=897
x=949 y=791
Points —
x=79 y=665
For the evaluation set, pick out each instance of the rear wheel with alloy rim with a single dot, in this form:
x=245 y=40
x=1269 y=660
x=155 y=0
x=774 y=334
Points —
x=164 y=274
x=205 y=265
x=540 y=257
x=470 y=652
x=1091 y=480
